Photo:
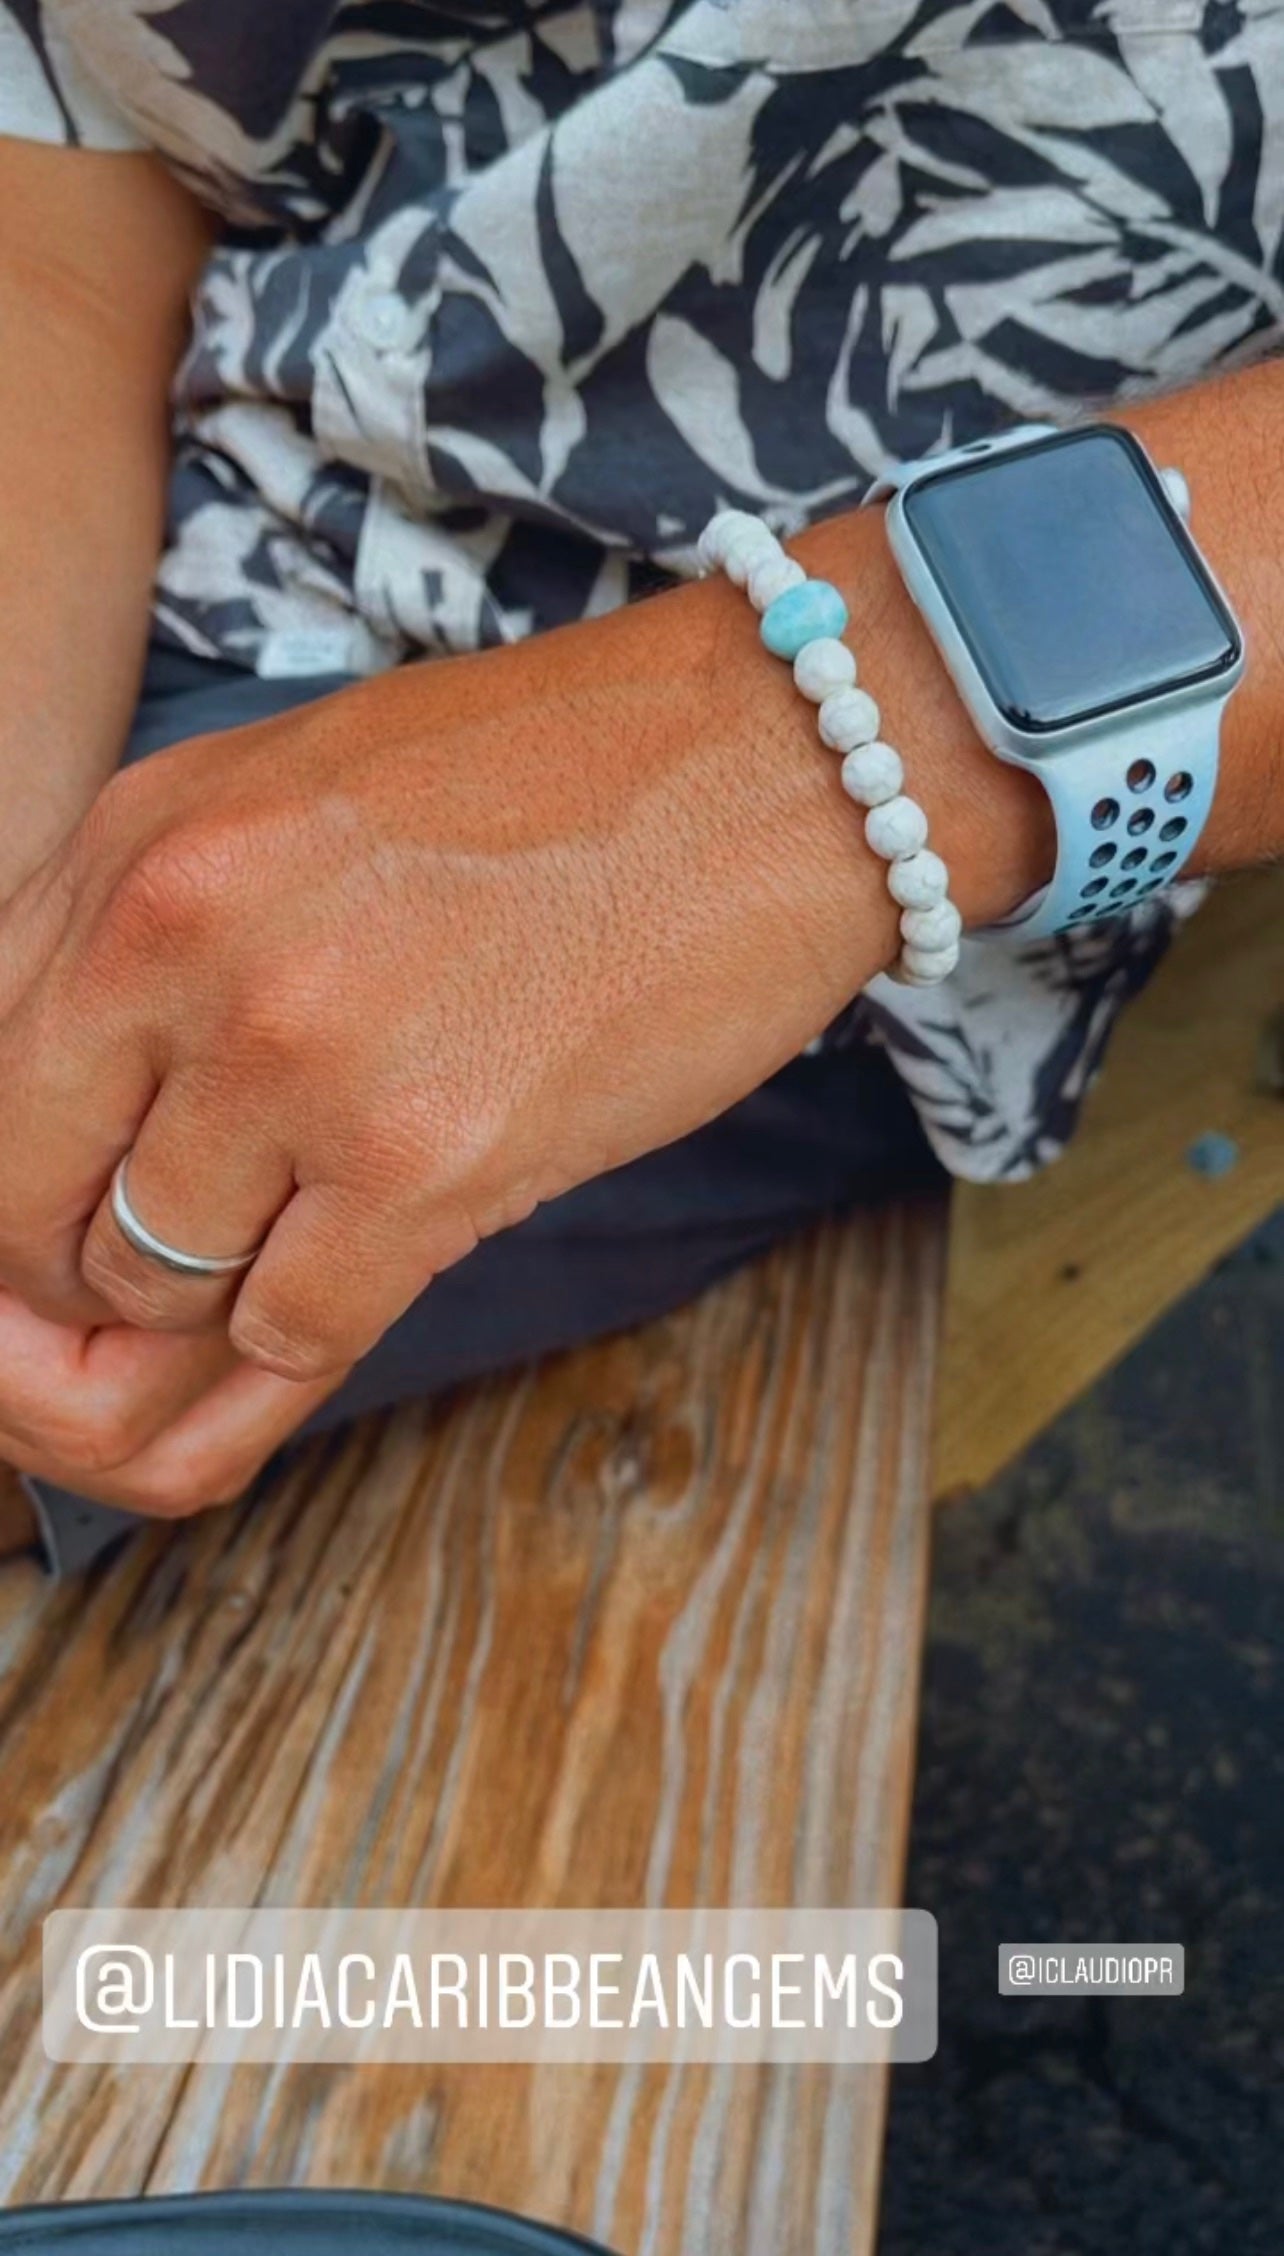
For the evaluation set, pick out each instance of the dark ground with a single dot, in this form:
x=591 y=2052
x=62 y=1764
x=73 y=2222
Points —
x=1102 y=1758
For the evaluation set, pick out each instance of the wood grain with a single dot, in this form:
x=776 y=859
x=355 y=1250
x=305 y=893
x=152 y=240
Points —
x=1050 y=1281
x=642 y=1626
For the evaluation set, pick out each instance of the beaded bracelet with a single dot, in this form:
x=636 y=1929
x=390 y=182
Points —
x=802 y=620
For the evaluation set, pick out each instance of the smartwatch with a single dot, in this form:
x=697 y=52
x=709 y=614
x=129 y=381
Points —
x=1088 y=639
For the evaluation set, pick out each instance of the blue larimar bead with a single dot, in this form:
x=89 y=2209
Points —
x=801 y=615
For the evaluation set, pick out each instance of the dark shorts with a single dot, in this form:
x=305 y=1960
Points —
x=829 y=1131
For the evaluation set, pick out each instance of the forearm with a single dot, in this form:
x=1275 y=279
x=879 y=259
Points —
x=665 y=755
x=96 y=254
x=424 y=954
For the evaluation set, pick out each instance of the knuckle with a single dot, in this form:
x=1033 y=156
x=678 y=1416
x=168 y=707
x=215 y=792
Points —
x=277 y=1021
x=287 y=1350
x=139 y=1296
x=171 y=891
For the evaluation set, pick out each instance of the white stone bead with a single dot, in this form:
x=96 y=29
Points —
x=918 y=881
x=897 y=828
x=847 y=718
x=922 y=967
x=718 y=532
x=824 y=666
x=772 y=575
x=872 y=774
x=932 y=928
x=746 y=546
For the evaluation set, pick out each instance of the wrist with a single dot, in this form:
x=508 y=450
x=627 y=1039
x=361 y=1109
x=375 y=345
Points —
x=1224 y=436
x=990 y=822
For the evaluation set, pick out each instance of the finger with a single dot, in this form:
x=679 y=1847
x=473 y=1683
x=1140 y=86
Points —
x=336 y=1271
x=207 y=1457
x=95 y=1400
x=211 y=1455
x=76 y=1080
x=200 y=1190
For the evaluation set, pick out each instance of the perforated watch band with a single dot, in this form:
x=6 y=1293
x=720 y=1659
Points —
x=1128 y=813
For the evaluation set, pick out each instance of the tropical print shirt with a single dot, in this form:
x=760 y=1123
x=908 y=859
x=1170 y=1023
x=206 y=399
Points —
x=510 y=295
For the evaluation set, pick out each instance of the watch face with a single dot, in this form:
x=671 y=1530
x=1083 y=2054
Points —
x=1071 y=578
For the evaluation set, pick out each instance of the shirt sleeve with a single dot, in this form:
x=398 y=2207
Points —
x=46 y=94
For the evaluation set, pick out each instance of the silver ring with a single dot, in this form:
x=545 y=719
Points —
x=145 y=1241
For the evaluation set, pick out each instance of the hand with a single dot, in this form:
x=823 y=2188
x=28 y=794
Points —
x=369 y=982
x=162 y=1425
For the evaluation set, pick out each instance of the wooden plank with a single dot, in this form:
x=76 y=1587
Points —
x=641 y=1627
x=1051 y=1281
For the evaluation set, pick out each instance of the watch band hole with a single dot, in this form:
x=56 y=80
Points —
x=1141 y=775
x=1100 y=855
x=1140 y=822
x=1093 y=886
x=1174 y=828
x=1106 y=812
x=1135 y=859
x=1163 y=861
x=1178 y=786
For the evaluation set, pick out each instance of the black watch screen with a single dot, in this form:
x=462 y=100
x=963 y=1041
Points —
x=1071 y=578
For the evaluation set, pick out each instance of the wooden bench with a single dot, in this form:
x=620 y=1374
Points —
x=643 y=1626
x=640 y=1627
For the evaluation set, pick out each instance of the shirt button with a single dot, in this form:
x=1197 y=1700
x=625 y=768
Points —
x=384 y=318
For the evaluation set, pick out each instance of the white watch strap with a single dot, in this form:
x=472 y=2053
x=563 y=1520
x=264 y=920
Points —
x=1128 y=811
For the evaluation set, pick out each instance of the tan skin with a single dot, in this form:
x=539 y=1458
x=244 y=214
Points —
x=375 y=979
x=97 y=254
